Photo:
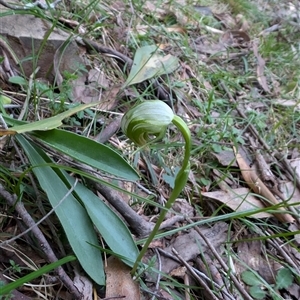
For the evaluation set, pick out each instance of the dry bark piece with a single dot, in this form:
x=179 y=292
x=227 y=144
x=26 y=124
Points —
x=84 y=285
x=216 y=235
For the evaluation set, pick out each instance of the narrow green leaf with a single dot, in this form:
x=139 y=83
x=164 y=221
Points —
x=148 y=63
x=88 y=151
x=52 y=122
x=284 y=278
x=43 y=270
x=111 y=227
x=72 y=215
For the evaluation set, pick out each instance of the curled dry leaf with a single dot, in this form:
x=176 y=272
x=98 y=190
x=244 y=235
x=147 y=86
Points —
x=236 y=38
x=240 y=200
x=261 y=78
x=255 y=183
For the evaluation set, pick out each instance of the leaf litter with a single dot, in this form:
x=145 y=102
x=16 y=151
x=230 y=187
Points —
x=236 y=181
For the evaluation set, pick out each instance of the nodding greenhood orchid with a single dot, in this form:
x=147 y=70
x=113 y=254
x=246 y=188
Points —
x=146 y=123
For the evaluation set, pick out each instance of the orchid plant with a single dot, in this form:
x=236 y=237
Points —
x=147 y=123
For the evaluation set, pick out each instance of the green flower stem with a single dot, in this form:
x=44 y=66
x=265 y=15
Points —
x=180 y=182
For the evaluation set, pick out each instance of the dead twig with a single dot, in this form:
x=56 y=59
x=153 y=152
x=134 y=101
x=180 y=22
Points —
x=138 y=225
x=201 y=282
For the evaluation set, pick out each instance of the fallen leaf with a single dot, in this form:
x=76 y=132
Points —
x=288 y=103
x=226 y=19
x=216 y=234
x=236 y=39
x=261 y=78
x=240 y=200
x=119 y=282
x=251 y=253
x=255 y=183
x=27 y=39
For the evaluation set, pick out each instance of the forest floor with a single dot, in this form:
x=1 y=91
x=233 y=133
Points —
x=230 y=70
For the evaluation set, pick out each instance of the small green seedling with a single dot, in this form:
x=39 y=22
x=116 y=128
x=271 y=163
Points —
x=259 y=288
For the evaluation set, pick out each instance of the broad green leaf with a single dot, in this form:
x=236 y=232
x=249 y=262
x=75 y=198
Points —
x=148 y=63
x=250 y=278
x=88 y=151
x=72 y=215
x=50 y=123
x=257 y=293
x=284 y=278
x=111 y=227
x=43 y=270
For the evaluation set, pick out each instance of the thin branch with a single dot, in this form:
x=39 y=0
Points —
x=201 y=282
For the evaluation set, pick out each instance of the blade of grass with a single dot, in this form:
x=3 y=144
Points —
x=43 y=270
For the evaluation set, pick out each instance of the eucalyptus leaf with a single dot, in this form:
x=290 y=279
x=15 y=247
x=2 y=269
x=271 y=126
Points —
x=148 y=63
x=72 y=215
x=88 y=152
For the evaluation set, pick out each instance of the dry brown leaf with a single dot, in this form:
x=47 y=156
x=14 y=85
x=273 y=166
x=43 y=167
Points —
x=288 y=103
x=240 y=200
x=119 y=282
x=242 y=23
x=178 y=272
x=226 y=19
x=255 y=183
x=236 y=38
x=261 y=78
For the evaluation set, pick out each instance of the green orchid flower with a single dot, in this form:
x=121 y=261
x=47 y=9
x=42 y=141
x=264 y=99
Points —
x=147 y=123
